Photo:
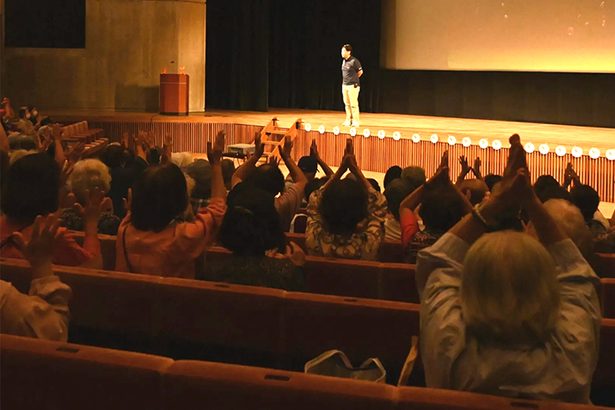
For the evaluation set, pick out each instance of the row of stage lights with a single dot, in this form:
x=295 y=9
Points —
x=496 y=144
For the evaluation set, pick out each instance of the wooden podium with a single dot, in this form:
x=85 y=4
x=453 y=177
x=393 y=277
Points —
x=174 y=94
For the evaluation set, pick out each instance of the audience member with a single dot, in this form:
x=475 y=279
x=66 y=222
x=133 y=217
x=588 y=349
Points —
x=525 y=312
x=42 y=313
x=346 y=216
x=153 y=238
x=251 y=229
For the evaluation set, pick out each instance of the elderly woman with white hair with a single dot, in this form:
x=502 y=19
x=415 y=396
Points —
x=87 y=176
x=504 y=313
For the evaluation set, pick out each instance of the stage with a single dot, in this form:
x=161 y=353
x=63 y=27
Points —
x=376 y=154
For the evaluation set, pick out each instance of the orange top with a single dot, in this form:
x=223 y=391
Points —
x=172 y=251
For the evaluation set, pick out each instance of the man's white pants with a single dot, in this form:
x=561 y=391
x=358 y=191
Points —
x=350 y=93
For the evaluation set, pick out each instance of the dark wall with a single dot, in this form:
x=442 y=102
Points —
x=279 y=53
x=560 y=98
x=45 y=23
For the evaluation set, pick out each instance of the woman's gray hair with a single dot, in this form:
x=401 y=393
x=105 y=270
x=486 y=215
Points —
x=509 y=290
x=88 y=174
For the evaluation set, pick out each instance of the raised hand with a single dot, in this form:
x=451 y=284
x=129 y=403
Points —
x=476 y=168
x=214 y=153
x=259 y=148
x=75 y=153
x=465 y=167
x=273 y=161
x=39 y=249
x=314 y=150
x=286 y=148
x=96 y=203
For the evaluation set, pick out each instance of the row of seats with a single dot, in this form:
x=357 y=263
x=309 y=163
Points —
x=80 y=131
x=355 y=278
x=242 y=324
x=39 y=374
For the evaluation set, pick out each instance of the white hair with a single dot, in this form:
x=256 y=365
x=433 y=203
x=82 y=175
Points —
x=509 y=291
x=88 y=174
x=570 y=220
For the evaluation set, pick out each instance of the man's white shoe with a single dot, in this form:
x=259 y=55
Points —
x=346 y=123
x=355 y=124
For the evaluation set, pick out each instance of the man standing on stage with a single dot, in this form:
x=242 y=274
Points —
x=351 y=71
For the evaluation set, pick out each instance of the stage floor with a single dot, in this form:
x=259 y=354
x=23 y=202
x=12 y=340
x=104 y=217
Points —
x=552 y=134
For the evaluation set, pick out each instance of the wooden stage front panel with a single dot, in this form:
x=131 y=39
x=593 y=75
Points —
x=375 y=154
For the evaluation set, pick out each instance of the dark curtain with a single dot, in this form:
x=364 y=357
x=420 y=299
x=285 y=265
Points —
x=276 y=53
x=237 y=71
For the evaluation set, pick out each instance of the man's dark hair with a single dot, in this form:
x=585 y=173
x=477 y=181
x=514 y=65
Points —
x=31 y=188
x=159 y=195
x=313 y=185
x=343 y=205
x=544 y=182
x=441 y=207
x=491 y=180
x=586 y=199
x=114 y=156
x=251 y=225
x=268 y=178
x=392 y=173
x=348 y=48
x=553 y=192
x=395 y=193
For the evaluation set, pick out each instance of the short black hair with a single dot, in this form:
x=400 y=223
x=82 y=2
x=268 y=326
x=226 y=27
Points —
x=268 y=178
x=313 y=185
x=395 y=193
x=343 y=205
x=114 y=156
x=544 y=182
x=348 y=48
x=251 y=225
x=159 y=195
x=491 y=180
x=392 y=173
x=586 y=199
x=441 y=207
x=31 y=188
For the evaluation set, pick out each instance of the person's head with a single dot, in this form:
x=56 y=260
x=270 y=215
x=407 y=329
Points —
x=87 y=175
x=509 y=293
x=343 y=205
x=159 y=195
x=586 y=199
x=309 y=166
x=200 y=172
x=392 y=173
x=114 y=156
x=414 y=175
x=491 y=180
x=474 y=189
x=313 y=185
x=374 y=184
x=33 y=111
x=570 y=220
x=553 y=192
x=346 y=51
x=267 y=177
x=251 y=225
x=32 y=185
x=395 y=193
x=441 y=208
x=154 y=155
x=228 y=169
x=24 y=113
x=543 y=183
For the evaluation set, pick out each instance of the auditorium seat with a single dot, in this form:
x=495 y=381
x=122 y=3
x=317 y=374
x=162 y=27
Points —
x=604 y=265
x=223 y=386
x=391 y=251
x=422 y=398
x=359 y=327
x=242 y=324
x=37 y=374
x=607 y=298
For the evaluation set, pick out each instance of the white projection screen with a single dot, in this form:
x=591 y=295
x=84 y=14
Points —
x=496 y=35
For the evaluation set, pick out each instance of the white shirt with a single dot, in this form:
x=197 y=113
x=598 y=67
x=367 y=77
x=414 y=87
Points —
x=42 y=314
x=560 y=369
